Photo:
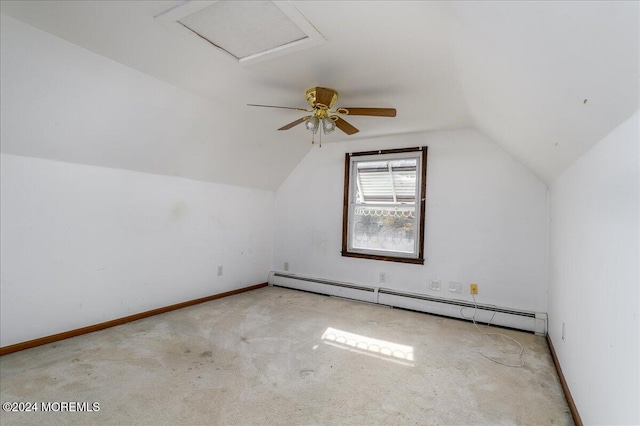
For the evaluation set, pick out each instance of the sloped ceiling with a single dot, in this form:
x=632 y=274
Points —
x=547 y=80
x=544 y=80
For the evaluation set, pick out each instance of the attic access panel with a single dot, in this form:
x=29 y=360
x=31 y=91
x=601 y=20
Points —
x=249 y=31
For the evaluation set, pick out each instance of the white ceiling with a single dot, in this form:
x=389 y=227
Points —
x=518 y=71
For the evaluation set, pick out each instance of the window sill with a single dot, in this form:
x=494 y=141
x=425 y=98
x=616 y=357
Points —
x=383 y=258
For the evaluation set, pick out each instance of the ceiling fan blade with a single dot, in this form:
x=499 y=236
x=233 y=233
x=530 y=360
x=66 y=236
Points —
x=294 y=123
x=374 y=112
x=273 y=106
x=324 y=96
x=345 y=127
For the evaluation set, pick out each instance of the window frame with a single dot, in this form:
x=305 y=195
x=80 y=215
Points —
x=421 y=174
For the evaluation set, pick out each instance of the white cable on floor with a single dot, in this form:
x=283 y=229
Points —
x=473 y=318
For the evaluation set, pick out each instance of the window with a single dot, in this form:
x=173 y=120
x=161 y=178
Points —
x=384 y=202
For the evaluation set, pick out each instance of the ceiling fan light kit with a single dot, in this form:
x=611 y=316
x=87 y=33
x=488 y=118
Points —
x=312 y=124
x=328 y=125
x=321 y=100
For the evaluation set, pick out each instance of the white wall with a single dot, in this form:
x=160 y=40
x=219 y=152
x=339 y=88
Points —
x=84 y=244
x=485 y=221
x=65 y=103
x=594 y=277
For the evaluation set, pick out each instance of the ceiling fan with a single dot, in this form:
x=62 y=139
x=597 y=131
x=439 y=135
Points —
x=321 y=100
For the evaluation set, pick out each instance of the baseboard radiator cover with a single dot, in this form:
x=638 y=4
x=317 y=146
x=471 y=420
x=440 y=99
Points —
x=535 y=322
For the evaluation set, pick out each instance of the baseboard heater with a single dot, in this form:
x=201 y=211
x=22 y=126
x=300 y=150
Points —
x=535 y=322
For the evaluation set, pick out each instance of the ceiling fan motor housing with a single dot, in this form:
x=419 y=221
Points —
x=321 y=100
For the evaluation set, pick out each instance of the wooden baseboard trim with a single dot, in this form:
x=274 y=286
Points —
x=119 y=321
x=567 y=393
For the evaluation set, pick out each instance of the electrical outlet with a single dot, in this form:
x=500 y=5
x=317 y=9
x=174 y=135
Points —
x=434 y=285
x=473 y=288
x=455 y=287
x=383 y=277
x=220 y=271
x=286 y=266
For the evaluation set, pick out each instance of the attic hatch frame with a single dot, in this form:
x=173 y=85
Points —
x=182 y=9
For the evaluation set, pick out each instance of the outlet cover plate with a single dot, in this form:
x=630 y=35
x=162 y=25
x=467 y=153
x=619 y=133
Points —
x=434 y=285
x=455 y=287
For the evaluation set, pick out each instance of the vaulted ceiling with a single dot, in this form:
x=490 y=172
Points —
x=544 y=80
